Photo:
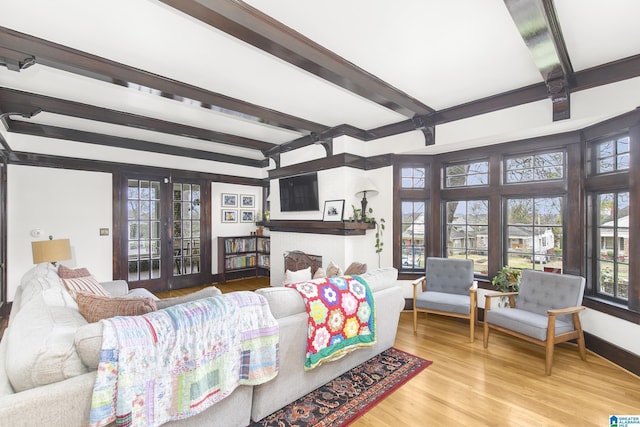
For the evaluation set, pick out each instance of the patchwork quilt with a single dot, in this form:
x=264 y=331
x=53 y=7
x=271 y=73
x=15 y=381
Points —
x=341 y=317
x=176 y=362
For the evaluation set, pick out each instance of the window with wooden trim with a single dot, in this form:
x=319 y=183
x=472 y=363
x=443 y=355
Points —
x=534 y=167
x=534 y=232
x=466 y=174
x=611 y=245
x=467 y=232
x=413 y=177
x=413 y=228
x=611 y=155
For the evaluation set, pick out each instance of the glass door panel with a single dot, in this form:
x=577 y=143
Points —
x=144 y=237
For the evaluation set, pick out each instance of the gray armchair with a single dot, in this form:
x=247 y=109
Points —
x=447 y=289
x=545 y=312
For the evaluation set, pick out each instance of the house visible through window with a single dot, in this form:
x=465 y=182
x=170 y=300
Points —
x=413 y=235
x=534 y=232
x=612 y=235
x=467 y=223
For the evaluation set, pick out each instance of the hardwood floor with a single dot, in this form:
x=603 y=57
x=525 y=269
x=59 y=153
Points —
x=503 y=385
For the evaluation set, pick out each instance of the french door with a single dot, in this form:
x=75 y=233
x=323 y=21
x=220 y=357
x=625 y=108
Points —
x=160 y=241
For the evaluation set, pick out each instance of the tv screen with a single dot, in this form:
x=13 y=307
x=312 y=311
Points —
x=299 y=193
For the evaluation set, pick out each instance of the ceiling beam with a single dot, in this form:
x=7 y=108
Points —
x=18 y=126
x=252 y=26
x=538 y=25
x=87 y=65
x=18 y=102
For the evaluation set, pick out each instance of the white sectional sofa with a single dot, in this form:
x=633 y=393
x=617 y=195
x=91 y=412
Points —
x=49 y=354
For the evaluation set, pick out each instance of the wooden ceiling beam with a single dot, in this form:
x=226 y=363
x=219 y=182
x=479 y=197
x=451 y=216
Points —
x=252 y=26
x=538 y=25
x=14 y=101
x=87 y=65
x=47 y=131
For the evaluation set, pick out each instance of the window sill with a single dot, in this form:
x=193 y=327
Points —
x=611 y=308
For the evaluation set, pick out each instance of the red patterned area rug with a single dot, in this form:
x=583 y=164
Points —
x=346 y=398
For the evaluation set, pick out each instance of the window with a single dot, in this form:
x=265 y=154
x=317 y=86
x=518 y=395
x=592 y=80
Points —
x=466 y=174
x=612 y=241
x=412 y=246
x=612 y=155
x=413 y=177
x=534 y=232
x=143 y=212
x=467 y=223
x=534 y=167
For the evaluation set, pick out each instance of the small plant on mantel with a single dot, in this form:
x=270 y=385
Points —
x=369 y=218
x=507 y=279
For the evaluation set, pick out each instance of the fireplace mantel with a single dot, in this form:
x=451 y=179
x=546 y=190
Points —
x=344 y=228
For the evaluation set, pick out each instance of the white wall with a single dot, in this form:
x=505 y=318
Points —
x=239 y=228
x=62 y=203
x=337 y=184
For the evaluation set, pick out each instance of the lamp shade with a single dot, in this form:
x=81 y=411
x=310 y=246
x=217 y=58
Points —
x=50 y=250
x=365 y=186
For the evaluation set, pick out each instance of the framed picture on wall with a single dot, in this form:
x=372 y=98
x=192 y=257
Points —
x=247 y=216
x=229 y=200
x=229 y=215
x=333 y=210
x=247 y=201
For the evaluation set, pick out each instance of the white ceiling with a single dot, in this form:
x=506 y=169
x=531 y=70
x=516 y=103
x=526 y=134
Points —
x=442 y=53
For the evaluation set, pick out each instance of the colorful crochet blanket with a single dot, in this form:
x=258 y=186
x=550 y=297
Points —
x=176 y=362
x=341 y=317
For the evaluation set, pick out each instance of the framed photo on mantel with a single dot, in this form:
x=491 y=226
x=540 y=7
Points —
x=333 y=210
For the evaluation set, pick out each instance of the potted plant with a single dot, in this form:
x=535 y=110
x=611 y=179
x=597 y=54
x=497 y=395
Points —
x=507 y=279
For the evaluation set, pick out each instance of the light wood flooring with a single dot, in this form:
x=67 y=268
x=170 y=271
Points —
x=503 y=385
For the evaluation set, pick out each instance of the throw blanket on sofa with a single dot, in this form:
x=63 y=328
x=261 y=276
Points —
x=176 y=362
x=341 y=317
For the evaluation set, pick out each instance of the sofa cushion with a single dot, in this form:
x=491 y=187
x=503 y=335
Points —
x=65 y=272
x=88 y=341
x=356 y=268
x=87 y=284
x=297 y=276
x=97 y=307
x=40 y=342
x=283 y=302
x=381 y=278
x=333 y=270
x=319 y=274
x=210 y=291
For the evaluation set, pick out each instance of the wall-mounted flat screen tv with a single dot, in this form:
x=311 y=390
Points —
x=299 y=193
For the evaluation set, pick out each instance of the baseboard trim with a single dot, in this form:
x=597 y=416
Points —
x=618 y=355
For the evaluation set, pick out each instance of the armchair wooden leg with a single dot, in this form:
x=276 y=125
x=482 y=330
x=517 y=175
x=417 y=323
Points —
x=580 y=339
x=485 y=335
x=472 y=329
x=549 y=357
x=415 y=319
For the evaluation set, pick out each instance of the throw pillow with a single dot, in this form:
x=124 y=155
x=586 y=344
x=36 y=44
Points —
x=297 y=276
x=356 y=268
x=84 y=284
x=96 y=307
x=333 y=270
x=69 y=273
x=319 y=274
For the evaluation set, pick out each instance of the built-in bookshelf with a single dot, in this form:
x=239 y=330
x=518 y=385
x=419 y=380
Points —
x=243 y=256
